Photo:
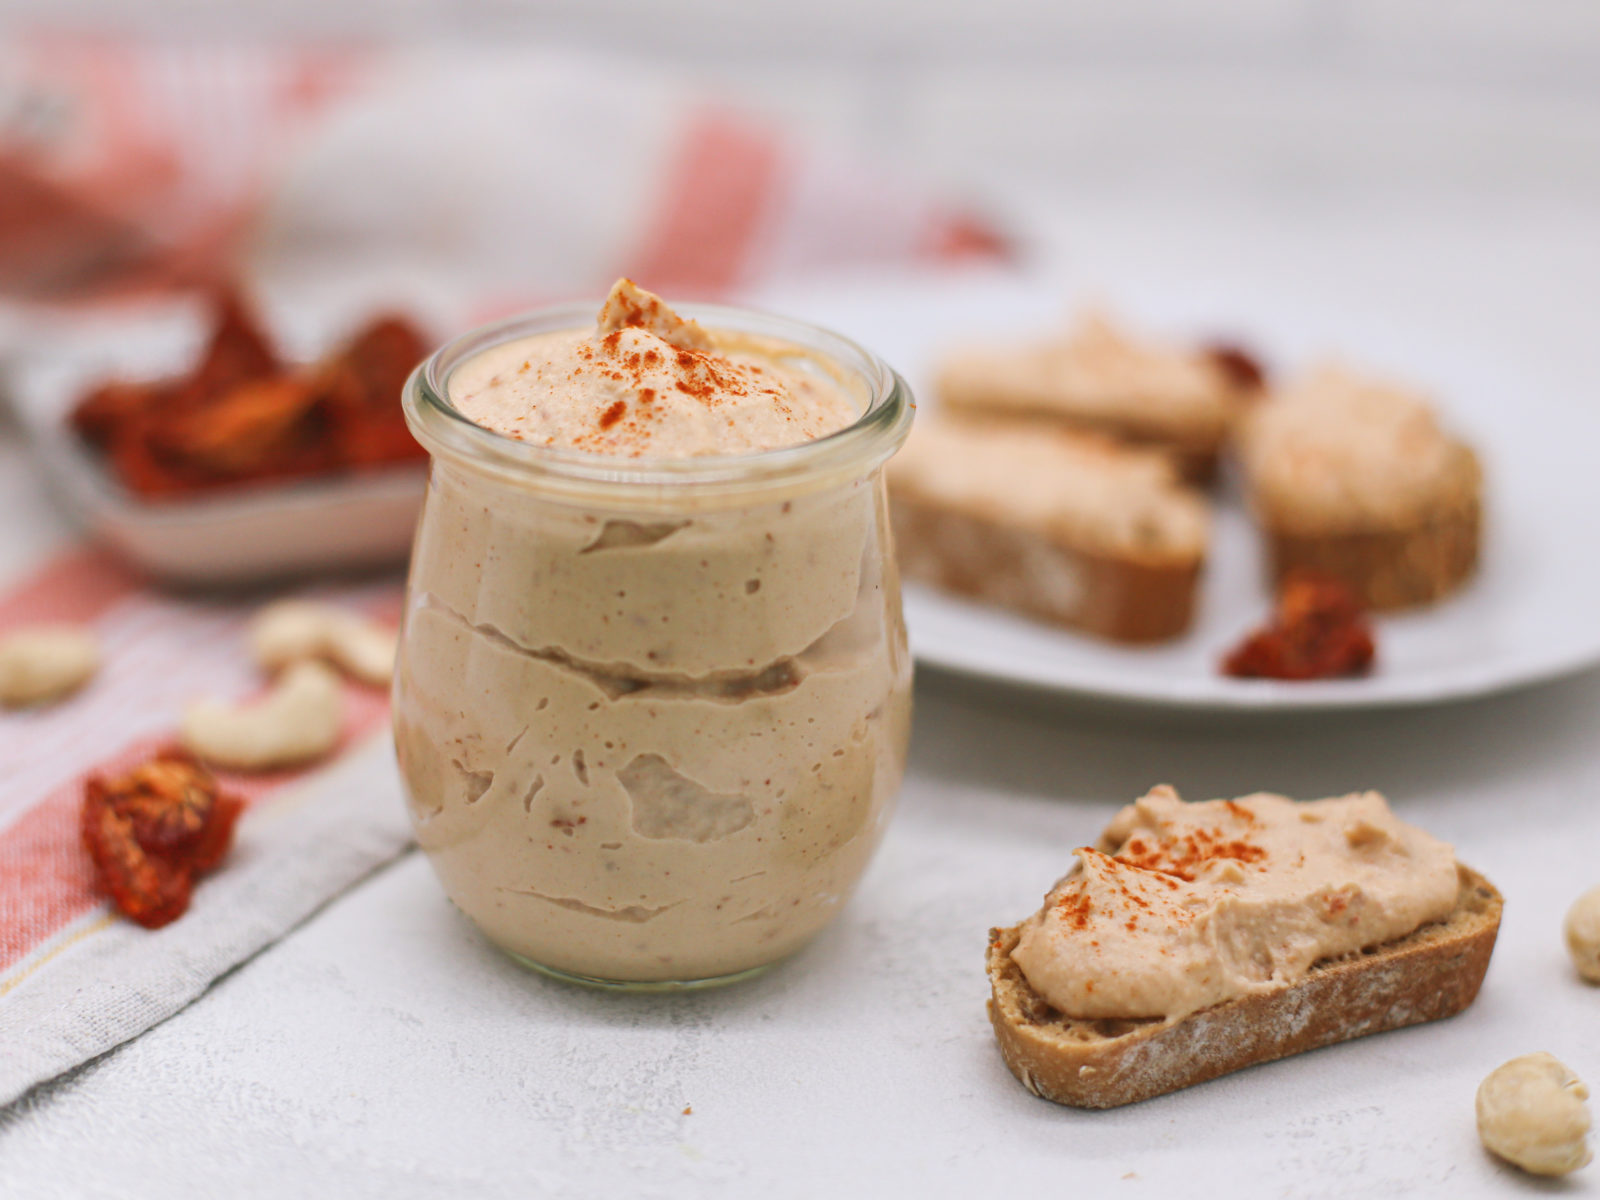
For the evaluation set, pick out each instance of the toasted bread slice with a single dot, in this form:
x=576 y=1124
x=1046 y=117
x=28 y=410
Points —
x=1096 y=377
x=1354 y=477
x=1074 y=529
x=1431 y=973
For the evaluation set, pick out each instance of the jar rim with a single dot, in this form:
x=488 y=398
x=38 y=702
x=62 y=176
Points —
x=853 y=450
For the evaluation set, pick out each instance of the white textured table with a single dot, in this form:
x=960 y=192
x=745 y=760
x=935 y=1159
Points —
x=384 y=1050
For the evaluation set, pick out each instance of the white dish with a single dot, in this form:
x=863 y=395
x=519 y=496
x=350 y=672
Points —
x=1529 y=616
x=344 y=522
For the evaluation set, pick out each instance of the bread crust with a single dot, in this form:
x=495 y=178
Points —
x=1390 y=569
x=1115 y=597
x=1432 y=973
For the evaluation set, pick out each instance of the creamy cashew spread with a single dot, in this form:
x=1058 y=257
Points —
x=1188 y=905
x=656 y=743
x=645 y=382
x=1336 y=451
x=1097 y=372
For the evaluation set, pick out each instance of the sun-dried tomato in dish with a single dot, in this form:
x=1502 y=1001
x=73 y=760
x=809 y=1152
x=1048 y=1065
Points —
x=1317 y=631
x=243 y=415
x=151 y=830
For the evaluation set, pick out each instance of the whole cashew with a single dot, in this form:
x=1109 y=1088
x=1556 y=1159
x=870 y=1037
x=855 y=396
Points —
x=297 y=721
x=1583 y=934
x=1531 y=1113
x=44 y=663
x=292 y=630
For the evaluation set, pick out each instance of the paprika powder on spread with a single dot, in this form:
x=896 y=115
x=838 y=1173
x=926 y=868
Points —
x=1189 y=905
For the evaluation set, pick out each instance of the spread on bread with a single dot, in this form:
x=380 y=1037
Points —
x=1354 y=477
x=1200 y=939
x=1098 y=376
x=1070 y=527
x=1196 y=904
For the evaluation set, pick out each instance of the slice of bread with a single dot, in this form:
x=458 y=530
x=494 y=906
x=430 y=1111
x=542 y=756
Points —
x=1354 y=478
x=1097 y=378
x=1432 y=973
x=1073 y=529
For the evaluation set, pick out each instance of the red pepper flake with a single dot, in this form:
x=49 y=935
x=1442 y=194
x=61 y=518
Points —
x=1186 y=856
x=152 y=830
x=1075 y=907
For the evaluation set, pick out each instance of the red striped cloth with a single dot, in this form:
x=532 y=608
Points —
x=159 y=653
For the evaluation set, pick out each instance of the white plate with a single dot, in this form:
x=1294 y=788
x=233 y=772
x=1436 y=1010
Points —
x=1532 y=613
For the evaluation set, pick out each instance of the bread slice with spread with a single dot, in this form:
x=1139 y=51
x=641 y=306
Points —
x=1097 y=377
x=1070 y=528
x=1199 y=939
x=1354 y=477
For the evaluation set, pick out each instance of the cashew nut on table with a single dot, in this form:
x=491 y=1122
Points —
x=1583 y=934
x=40 y=664
x=296 y=721
x=292 y=630
x=1531 y=1113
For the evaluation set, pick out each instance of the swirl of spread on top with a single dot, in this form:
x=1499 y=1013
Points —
x=645 y=382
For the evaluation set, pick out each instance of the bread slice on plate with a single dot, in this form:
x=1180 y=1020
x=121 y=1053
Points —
x=1069 y=528
x=1097 y=377
x=1354 y=478
x=1433 y=973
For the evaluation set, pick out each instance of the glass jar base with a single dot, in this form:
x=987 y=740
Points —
x=636 y=985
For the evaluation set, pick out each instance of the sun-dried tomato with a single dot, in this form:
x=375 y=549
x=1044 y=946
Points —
x=151 y=830
x=242 y=416
x=238 y=350
x=1318 y=631
x=169 y=800
x=212 y=844
x=145 y=887
x=363 y=382
x=1242 y=369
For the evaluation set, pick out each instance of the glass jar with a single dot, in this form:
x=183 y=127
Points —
x=652 y=714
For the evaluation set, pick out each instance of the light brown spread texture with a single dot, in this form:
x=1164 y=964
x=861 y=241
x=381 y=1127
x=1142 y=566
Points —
x=645 y=383
x=1080 y=489
x=650 y=736
x=1338 y=452
x=1098 y=374
x=1186 y=906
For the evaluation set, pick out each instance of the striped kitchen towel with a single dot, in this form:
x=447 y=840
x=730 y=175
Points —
x=76 y=979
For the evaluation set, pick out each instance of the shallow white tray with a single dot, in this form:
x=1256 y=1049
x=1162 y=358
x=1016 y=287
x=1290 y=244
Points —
x=1531 y=614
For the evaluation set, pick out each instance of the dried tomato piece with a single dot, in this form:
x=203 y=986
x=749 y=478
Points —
x=217 y=836
x=105 y=409
x=145 y=887
x=362 y=384
x=169 y=800
x=243 y=416
x=1318 y=631
x=1241 y=368
x=237 y=352
x=151 y=830
x=254 y=427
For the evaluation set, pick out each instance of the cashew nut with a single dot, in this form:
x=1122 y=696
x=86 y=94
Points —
x=1531 y=1113
x=297 y=721
x=293 y=630
x=1583 y=934
x=44 y=663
